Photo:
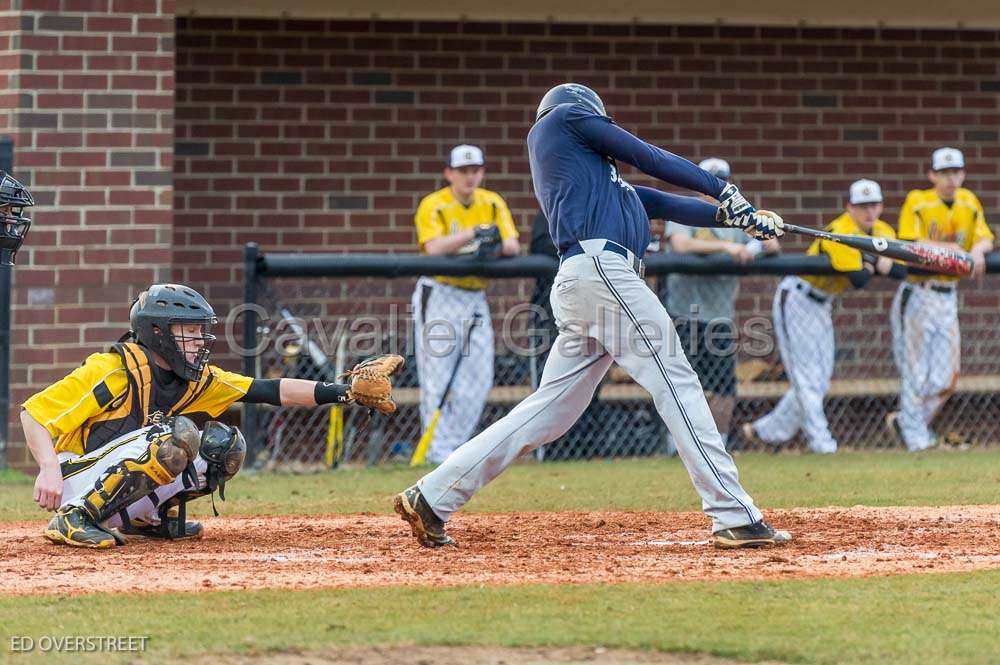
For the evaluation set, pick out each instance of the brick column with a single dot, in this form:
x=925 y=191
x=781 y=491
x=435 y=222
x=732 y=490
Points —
x=91 y=83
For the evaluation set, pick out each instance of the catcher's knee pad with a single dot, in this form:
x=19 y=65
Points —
x=129 y=480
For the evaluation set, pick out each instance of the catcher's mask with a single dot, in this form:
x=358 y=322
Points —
x=224 y=448
x=157 y=310
x=14 y=225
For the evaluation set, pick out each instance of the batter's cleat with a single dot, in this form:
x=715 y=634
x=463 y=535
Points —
x=192 y=530
x=427 y=527
x=758 y=534
x=72 y=526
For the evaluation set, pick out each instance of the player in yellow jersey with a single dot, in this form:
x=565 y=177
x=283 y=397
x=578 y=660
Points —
x=454 y=332
x=804 y=324
x=115 y=441
x=924 y=318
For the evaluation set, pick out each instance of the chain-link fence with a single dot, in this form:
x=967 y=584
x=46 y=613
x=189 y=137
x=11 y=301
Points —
x=796 y=369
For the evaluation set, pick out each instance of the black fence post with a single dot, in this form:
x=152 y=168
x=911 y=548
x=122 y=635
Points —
x=250 y=256
x=6 y=268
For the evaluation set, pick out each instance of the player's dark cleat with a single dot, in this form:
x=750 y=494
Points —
x=758 y=534
x=427 y=527
x=139 y=528
x=72 y=526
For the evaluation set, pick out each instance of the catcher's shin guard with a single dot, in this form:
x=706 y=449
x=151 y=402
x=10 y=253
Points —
x=168 y=454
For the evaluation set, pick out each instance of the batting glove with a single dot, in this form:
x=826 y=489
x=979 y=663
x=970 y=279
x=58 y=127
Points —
x=735 y=210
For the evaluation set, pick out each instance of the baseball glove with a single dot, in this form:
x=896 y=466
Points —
x=371 y=383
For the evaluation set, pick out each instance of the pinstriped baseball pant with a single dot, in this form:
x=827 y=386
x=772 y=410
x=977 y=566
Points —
x=605 y=312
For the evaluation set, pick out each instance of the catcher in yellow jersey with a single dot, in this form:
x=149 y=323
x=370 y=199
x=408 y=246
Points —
x=115 y=441
x=924 y=318
x=454 y=332
x=804 y=324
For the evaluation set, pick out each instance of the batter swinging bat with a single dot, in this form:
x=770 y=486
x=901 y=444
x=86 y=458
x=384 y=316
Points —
x=420 y=452
x=935 y=259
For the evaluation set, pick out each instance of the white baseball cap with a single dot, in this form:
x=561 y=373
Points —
x=465 y=155
x=865 y=191
x=947 y=158
x=717 y=167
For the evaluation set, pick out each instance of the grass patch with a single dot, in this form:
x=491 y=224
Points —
x=775 y=481
x=945 y=619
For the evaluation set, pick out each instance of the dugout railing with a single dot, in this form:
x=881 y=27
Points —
x=315 y=315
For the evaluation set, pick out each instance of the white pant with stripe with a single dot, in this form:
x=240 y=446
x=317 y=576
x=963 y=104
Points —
x=926 y=348
x=605 y=313
x=81 y=473
x=453 y=333
x=804 y=328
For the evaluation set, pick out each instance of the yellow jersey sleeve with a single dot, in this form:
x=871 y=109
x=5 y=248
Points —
x=909 y=224
x=430 y=223
x=505 y=221
x=883 y=230
x=67 y=404
x=225 y=388
x=981 y=230
x=842 y=257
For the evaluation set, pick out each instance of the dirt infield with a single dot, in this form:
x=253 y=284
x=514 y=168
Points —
x=498 y=549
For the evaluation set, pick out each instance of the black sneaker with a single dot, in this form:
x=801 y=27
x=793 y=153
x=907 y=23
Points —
x=73 y=526
x=758 y=534
x=427 y=527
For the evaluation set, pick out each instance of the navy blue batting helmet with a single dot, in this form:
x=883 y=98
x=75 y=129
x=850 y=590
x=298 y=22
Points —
x=570 y=93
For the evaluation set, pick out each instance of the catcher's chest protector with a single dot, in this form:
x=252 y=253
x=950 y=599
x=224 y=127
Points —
x=136 y=407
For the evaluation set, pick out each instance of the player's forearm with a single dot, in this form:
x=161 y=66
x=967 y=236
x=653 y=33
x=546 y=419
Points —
x=301 y=392
x=615 y=142
x=39 y=442
x=686 y=210
x=985 y=246
x=510 y=247
x=449 y=244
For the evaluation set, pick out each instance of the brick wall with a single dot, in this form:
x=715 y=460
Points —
x=323 y=135
x=92 y=83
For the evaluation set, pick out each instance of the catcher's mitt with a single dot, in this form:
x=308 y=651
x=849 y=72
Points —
x=370 y=382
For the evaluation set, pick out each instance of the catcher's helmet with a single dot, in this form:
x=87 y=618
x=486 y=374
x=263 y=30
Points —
x=570 y=93
x=161 y=306
x=14 y=198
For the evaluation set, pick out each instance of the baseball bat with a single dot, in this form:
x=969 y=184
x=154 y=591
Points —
x=936 y=259
x=420 y=452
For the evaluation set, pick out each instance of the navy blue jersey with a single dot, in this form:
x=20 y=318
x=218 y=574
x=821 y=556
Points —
x=577 y=183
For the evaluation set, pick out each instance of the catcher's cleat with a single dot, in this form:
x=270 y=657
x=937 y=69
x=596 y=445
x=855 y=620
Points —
x=758 y=534
x=72 y=526
x=192 y=530
x=427 y=527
